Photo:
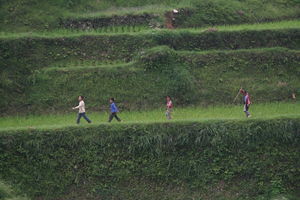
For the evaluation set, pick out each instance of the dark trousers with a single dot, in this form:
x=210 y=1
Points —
x=84 y=116
x=113 y=115
x=246 y=110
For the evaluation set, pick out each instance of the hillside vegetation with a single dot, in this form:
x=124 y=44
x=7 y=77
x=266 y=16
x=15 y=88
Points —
x=254 y=159
x=126 y=66
x=29 y=15
x=137 y=51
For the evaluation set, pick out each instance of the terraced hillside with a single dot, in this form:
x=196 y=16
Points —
x=199 y=65
x=201 y=53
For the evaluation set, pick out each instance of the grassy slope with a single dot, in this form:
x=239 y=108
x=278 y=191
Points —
x=7 y=193
x=23 y=17
x=287 y=24
x=36 y=15
x=213 y=77
x=222 y=159
x=232 y=112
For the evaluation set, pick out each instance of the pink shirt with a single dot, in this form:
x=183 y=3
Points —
x=169 y=104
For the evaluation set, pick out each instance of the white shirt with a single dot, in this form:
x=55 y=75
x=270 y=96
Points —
x=81 y=107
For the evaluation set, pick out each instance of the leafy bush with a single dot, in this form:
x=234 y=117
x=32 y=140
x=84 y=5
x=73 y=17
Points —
x=48 y=162
x=166 y=61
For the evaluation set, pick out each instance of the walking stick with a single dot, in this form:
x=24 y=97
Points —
x=237 y=95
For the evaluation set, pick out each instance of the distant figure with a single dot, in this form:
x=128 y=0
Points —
x=246 y=101
x=169 y=108
x=81 y=111
x=113 y=110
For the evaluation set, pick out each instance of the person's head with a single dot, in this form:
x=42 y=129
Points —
x=242 y=91
x=80 y=98
x=111 y=100
x=168 y=98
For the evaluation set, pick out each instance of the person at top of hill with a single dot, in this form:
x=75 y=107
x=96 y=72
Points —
x=113 y=110
x=246 y=101
x=169 y=108
x=81 y=110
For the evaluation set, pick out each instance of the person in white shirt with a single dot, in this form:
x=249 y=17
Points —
x=81 y=110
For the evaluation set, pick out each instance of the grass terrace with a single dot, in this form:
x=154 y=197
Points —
x=134 y=30
x=201 y=114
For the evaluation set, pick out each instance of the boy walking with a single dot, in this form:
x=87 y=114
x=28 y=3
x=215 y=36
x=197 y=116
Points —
x=113 y=110
x=81 y=110
x=246 y=101
x=169 y=108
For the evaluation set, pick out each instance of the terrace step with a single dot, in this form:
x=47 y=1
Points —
x=85 y=66
x=105 y=21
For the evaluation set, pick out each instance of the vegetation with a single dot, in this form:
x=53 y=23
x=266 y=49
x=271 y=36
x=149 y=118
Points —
x=20 y=16
x=192 y=78
x=136 y=29
x=108 y=161
x=53 y=51
x=202 y=114
x=212 y=12
x=7 y=193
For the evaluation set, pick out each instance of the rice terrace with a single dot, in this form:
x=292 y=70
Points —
x=150 y=100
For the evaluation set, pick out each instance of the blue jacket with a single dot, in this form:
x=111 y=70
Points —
x=113 y=108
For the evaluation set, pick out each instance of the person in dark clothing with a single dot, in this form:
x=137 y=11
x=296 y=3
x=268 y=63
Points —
x=113 y=110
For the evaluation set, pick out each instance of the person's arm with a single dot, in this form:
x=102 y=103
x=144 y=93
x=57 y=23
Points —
x=248 y=100
x=113 y=108
x=79 y=105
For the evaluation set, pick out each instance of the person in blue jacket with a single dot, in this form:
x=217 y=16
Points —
x=113 y=110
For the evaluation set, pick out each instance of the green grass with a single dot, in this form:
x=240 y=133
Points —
x=287 y=24
x=86 y=65
x=120 y=11
x=117 y=30
x=231 y=112
x=7 y=193
x=18 y=16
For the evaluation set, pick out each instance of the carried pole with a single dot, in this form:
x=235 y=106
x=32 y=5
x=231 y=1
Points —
x=237 y=95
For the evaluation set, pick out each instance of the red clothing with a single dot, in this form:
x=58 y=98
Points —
x=246 y=97
x=169 y=104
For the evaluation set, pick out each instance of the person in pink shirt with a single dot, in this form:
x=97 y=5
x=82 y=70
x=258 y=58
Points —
x=169 y=108
x=246 y=101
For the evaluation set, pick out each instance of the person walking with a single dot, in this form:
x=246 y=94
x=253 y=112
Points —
x=113 y=110
x=169 y=108
x=246 y=101
x=81 y=110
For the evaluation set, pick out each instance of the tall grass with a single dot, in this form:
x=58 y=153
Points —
x=232 y=112
x=288 y=24
x=110 y=30
x=87 y=64
x=7 y=193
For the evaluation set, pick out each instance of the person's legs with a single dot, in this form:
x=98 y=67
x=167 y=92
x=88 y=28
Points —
x=168 y=114
x=86 y=118
x=116 y=116
x=246 y=108
x=111 y=116
x=247 y=111
x=78 y=118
